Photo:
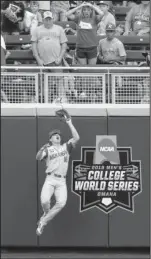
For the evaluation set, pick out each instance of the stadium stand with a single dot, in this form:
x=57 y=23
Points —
x=134 y=46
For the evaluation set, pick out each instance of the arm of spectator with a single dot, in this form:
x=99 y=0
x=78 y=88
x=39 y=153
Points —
x=63 y=42
x=71 y=13
x=97 y=10
x=62 y=53
x=100 y=55
x=34 y=41
x=128 y=23
x=144 y=31
x=39 y=18
x=4 y=97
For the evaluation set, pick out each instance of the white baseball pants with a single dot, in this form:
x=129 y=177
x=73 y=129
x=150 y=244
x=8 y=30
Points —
x=58 y=187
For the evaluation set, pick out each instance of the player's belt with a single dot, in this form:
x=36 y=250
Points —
x=57 y=175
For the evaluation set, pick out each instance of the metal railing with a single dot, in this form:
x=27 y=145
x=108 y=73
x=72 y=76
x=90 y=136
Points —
x=90 y=85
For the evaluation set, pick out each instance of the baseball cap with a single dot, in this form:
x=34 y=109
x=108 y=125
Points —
x=110 y=27
x=104 y=2
x=47 y=14
x=53 y=132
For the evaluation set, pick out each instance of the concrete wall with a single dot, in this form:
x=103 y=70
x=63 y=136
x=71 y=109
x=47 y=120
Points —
x=24 y=131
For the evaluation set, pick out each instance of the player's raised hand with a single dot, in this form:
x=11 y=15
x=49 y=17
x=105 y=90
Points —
x=63 y=115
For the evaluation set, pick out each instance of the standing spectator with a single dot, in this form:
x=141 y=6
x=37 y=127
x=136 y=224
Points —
x=49 y=42
x=34 y=18
x=87 y=20
x=138 y=20
x=59 y=9
x=111 y=50
x=107 y=17
x=13 y=13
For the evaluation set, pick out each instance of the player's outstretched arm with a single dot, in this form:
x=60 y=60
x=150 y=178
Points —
x=42 y=153
x=65 y=116
x=75 y=135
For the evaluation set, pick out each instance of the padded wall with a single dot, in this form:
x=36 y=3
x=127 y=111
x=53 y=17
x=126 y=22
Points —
x=18 y=181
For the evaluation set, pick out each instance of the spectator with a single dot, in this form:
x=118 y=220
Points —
x=32 y=19
x=13 y=13
x=49 y=42
x=4 y=98
x=107 y=17
x=4 y=52
x=131 y=4
x=138 y=20
x=111 y=50
x=120 y=29
x=87 y=20
x=59 y=9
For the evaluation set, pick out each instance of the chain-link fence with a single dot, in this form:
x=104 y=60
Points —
x=19 y=87
x=75 y=88
x=130 y=88
x=95 y=86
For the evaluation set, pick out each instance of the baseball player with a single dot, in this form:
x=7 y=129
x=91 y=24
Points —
x=56 y=156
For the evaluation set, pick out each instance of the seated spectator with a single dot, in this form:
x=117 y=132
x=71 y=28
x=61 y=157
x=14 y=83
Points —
x=111 y=50
x=32 y=19
x=147 y=60
x=13 y=12
x=4 y=98
x=59 y=9
x=49 y=42
x=107 y=17
x=138 y=20
x=87 y=20
x=120 y=29
x=4 y=52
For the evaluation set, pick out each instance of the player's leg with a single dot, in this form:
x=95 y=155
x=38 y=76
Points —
x=61 y=199
x=46 y=194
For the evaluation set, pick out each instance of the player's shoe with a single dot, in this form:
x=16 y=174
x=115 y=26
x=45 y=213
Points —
x=40 y=228
x=41 y=218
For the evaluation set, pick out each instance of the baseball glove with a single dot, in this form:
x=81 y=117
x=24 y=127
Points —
x=11 y=15
x=63 y=115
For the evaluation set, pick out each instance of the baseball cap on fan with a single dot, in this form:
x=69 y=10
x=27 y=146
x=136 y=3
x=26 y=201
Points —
x=110 y=27
x=104 y=2
x=48 y=14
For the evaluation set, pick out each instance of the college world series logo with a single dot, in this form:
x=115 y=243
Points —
x=106 y=177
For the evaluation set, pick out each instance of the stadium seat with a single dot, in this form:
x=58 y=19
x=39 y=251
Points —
x=121 y=12
x=12 y=40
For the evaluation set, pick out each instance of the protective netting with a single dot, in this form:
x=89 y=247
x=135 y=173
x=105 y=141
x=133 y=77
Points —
x=75 y=88
x=92 y=87
x=19 y=87
x=131 y=88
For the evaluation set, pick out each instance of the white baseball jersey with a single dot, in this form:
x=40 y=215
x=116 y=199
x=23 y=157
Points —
x=57 y=158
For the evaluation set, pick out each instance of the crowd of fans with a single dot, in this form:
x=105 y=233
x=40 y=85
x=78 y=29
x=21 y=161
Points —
x=49 y=42
x=92 y=18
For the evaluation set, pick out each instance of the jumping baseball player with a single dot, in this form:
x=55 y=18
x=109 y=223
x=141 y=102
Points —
x=56 y=156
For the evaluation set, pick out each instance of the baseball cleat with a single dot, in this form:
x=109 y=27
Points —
x=41 y=218
x=40 y=229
